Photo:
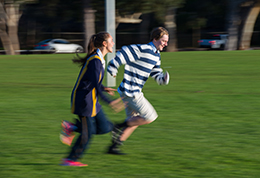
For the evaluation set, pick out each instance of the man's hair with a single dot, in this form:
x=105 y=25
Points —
x=157 y=33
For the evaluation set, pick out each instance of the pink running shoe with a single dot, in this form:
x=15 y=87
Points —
x=68 y=162
x=67 y=140
x=67 y=135
x=68 y=127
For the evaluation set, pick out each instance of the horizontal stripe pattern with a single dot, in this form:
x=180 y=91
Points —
x=140 y=62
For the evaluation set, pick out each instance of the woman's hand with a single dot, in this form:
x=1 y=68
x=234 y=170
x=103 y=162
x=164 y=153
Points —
x=117 y=105
x=110 y=91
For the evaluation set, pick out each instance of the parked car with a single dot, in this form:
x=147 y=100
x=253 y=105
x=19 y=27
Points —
x=215 y=42
x=59 y=46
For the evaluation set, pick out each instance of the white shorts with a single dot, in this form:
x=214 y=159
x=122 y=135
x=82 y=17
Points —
x=139 y=105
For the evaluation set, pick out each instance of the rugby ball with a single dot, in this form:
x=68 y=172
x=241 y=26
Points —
x=166 y=77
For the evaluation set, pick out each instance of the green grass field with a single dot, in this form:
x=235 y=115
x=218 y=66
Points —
x=208 y=124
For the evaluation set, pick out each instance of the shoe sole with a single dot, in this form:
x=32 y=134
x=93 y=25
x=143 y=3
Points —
x=73 y=165
x=114 y=153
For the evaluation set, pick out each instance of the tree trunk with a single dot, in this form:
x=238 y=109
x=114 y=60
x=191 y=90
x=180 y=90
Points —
x=144 y=28
x=13 y=14
x=170 y=25
x=9 y=18
x=89 y=21
x=233 y=21
x=9 y=50
x=3 y=32
x=31 y=32
x=195 y=36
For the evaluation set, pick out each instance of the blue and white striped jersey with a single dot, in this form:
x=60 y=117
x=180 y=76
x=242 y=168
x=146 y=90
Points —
x=141 y=61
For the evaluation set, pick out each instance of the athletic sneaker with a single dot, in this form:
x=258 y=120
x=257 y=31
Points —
x=116 y=134
x=68 y=162
x=67 y=135
x=66 y=139
x=115 y=150
x=68 y=127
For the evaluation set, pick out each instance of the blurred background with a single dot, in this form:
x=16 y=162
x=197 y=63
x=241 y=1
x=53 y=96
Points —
x=24 y=23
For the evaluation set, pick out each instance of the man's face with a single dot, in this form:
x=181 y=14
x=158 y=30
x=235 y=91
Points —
x=161 y=43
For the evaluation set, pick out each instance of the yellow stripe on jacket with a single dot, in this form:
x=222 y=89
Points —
x=80 y=78
x=94 y=98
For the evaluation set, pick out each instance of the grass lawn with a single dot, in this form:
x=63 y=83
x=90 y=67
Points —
x=208 y=124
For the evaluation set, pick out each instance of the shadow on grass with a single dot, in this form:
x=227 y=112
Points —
x=33 y=164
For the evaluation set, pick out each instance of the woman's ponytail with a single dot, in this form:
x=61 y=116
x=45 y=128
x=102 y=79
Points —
x=95 y=41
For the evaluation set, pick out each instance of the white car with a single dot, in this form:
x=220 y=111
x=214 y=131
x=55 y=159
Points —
x=215 y=42
x=59 y=46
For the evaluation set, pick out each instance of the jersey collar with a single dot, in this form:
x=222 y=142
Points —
x=99 y=53
x=153 y=47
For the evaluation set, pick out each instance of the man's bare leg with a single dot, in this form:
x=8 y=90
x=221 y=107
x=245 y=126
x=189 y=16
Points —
x=127 y=132
x=130 y=125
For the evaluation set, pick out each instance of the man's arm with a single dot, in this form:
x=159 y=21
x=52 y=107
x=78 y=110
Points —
x=158 y=75
x=126 y=55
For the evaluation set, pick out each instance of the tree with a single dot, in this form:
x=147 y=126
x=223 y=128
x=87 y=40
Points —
x=89 y=21
x=240 y=25
x=50 y=19
x=200 y=17
x=164 y=13
x=9 y=17
x=233 y=22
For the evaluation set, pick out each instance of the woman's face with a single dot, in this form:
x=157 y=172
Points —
x=110 y=43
